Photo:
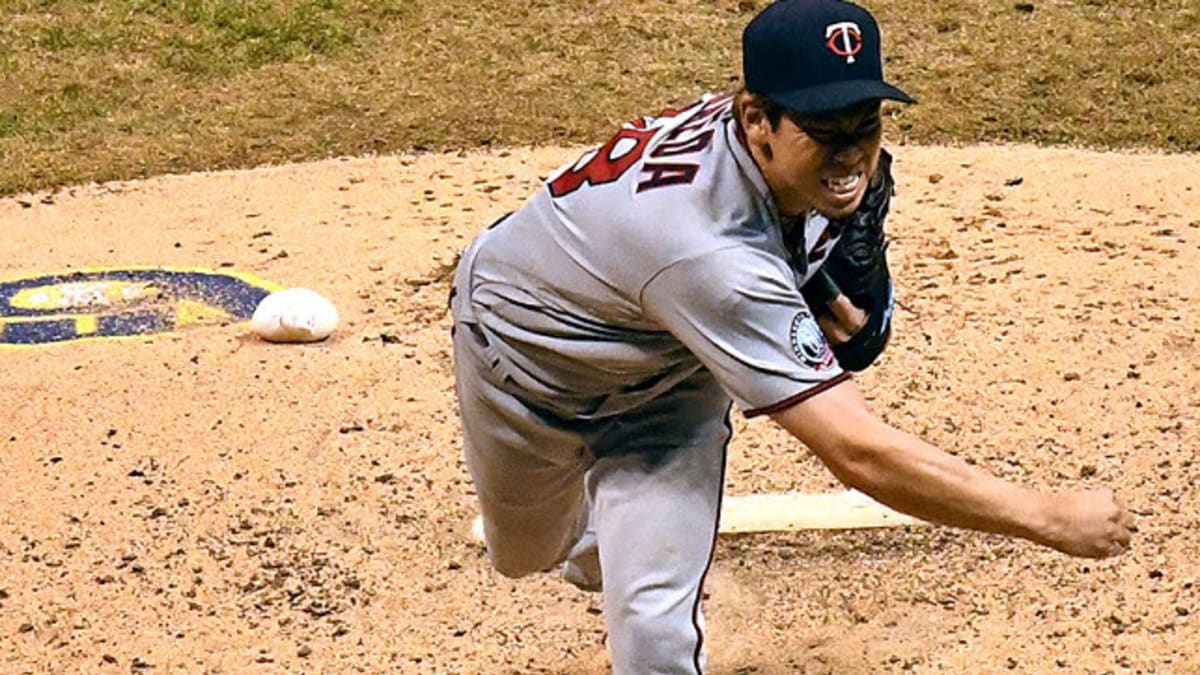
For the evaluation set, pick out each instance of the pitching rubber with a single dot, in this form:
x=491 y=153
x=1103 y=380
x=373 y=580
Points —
x=795 y=511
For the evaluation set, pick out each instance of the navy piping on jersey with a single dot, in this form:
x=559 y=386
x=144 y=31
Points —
x=798 y=398
x=712 y=551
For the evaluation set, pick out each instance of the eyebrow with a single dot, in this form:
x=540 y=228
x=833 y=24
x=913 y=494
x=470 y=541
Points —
x=829 y=127
x=872 y=116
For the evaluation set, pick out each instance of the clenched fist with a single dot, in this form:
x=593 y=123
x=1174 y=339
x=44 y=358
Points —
x=1089 y=524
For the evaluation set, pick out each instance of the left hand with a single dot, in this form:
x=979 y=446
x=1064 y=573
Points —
x=842 y=321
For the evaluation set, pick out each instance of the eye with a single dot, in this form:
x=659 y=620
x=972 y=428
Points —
x=868 y=127
x=822 y=136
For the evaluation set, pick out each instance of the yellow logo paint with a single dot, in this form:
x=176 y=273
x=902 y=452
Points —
x=82 y=296
x=127 y=302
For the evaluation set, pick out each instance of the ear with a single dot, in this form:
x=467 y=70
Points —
x=754 y=120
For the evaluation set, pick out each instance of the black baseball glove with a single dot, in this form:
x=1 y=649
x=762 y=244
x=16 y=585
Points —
x=857 y=267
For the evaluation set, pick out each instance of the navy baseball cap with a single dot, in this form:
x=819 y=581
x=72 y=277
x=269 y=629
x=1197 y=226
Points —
x=815 y=56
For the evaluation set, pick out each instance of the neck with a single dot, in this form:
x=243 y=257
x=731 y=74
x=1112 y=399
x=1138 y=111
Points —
x=761 y=154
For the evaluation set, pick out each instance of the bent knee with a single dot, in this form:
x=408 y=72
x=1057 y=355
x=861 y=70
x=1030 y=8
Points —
x=513 y=569
x=515 y=564
x=516 y=556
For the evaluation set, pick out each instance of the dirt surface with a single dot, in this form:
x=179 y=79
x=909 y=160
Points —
x=207 y=502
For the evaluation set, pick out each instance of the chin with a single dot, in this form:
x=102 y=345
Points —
x=835 y=211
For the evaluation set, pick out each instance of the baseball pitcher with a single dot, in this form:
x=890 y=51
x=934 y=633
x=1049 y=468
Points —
x=728 y=253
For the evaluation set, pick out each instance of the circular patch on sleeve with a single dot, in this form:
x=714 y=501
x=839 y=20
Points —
x=809 y=343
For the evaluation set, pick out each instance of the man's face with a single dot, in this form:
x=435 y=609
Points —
x=822 y=163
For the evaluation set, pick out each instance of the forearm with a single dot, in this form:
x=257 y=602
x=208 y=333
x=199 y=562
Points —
x=916 y=478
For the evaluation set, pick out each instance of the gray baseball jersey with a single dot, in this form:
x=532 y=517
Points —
x=652 y=257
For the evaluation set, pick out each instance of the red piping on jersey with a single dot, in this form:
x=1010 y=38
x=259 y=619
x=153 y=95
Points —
x=798 y=398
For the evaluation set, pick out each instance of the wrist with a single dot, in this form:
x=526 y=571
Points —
x=1042 y=524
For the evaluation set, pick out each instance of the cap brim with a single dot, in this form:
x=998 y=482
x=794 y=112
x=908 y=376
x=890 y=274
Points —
x=827 y=98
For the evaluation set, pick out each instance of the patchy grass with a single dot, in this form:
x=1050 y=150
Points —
x=1103 y=73
x=123 y=88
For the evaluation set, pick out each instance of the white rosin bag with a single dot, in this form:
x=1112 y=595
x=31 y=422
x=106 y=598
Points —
x=294 y=315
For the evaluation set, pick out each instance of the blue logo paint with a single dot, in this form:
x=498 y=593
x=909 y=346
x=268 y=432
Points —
x=114 y=303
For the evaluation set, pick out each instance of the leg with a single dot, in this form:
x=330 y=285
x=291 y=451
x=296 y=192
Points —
x=528 y=473
x=656 y=495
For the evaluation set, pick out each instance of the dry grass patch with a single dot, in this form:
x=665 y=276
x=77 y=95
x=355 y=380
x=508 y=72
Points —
x=124 y=88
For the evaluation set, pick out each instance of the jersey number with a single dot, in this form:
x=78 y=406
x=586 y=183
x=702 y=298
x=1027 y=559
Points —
x=623 y=150
x=606 y=164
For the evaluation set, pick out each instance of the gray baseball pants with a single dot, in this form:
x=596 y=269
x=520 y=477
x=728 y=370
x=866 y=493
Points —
x=628 y=504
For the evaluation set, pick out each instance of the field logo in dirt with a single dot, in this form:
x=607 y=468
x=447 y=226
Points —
x=115 y=303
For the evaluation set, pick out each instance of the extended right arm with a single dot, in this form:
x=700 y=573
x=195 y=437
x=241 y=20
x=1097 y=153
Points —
x=916 y=478
x=737 y=310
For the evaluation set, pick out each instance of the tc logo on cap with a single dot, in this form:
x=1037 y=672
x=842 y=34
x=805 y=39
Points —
x=844 y=39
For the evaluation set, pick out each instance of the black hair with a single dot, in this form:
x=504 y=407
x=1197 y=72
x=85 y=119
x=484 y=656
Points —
x=773 y=111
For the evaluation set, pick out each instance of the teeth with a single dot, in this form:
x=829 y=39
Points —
x=844 y=183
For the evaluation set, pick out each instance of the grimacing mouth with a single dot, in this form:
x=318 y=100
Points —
x=845 y=183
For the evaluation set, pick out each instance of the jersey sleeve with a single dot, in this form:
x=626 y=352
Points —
x=739 y=311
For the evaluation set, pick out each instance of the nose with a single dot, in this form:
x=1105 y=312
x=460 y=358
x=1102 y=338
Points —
x=849 y=154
